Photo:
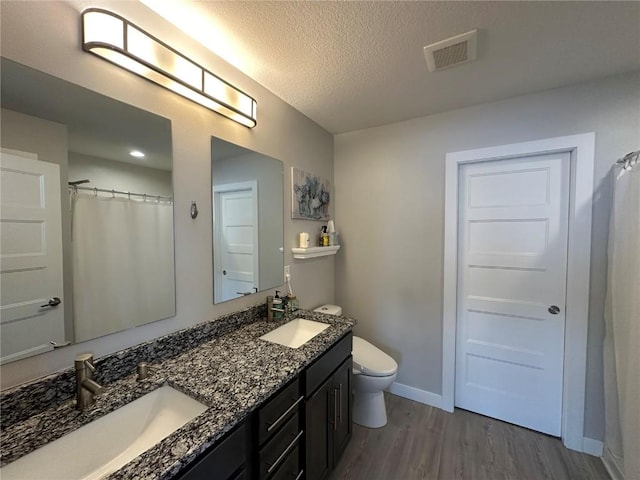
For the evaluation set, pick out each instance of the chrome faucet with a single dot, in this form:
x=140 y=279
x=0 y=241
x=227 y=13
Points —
x=271 y=309
x=143 y=369
x=86 y=386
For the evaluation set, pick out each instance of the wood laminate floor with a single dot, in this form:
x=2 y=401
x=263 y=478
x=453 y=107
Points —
x=422 y=442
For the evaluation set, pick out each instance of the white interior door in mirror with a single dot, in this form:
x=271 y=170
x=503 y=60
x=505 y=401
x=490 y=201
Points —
x=30 y=256
x=236 y=262
x=512 y=260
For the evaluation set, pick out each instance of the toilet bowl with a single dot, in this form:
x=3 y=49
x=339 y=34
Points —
x=373 y=371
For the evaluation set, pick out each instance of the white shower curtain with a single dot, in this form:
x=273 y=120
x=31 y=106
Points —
x=123 y=272
x=622 y=341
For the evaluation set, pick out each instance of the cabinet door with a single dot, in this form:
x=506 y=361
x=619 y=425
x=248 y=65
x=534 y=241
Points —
x=319 y=432
x=342 y=405
x=223 y=460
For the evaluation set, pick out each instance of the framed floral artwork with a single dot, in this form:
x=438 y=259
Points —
x=310 y=195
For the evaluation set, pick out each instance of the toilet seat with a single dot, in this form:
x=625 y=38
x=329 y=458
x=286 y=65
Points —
x=370 y=360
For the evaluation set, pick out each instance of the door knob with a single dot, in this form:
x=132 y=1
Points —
x=554 y=310
x=53 y=302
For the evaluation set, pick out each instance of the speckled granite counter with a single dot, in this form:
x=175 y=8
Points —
x=222 y=363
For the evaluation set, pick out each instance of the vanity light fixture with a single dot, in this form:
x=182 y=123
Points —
x=119 y=41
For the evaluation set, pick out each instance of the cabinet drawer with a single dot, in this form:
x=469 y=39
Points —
x=318 y=372
x=274 y=454
x=222 y=460
x=242 y=475
x=278 y=410
x=290 y=469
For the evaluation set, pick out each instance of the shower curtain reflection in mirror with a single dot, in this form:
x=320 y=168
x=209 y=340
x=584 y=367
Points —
x=123 y=270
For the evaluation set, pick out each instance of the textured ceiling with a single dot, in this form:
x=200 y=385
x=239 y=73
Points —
x=351 y=65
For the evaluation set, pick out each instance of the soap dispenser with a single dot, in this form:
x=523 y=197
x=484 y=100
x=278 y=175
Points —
x=278 y=306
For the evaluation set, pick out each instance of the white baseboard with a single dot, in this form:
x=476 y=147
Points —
x=412 y=393
x=592 y=447
x=610 y=464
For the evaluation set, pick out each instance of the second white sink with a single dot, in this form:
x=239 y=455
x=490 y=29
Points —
x=295 y=333
x=108 y=443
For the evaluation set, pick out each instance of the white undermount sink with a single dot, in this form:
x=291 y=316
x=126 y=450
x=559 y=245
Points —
x=108 y=443
x=295 y=333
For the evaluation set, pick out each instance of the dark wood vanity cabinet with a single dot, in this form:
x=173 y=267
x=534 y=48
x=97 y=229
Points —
x=280 y=435
x=299 y=433
x=224 y=461
x=328 y=409
x=342 y=422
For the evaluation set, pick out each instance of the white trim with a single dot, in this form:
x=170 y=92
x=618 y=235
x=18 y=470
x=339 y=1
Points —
x=412 y=393
x=592 y=446
x=578 y=264
x=613 y=469
x=19 y=153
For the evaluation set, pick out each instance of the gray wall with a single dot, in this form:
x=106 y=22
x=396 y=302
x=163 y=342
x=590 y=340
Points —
x=46 y=35
x=390 y=213
x=122 y=176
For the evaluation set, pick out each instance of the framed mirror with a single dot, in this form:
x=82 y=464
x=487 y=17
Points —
x=87 y=214
x=248 y=222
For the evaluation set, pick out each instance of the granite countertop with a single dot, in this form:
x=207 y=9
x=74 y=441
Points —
x=232 y=373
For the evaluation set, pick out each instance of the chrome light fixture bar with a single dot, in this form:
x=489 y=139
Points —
x=119 y=41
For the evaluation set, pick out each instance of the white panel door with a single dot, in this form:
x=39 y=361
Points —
x=30 y=256
x=512 y=260
x=237 y=224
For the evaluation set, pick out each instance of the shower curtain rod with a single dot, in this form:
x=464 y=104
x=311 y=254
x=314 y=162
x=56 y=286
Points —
x=119 y=192
x=629 y=160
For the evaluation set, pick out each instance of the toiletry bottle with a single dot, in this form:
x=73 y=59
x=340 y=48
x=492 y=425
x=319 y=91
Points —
x=278 y=309
x=324 y=237
x=293 y=303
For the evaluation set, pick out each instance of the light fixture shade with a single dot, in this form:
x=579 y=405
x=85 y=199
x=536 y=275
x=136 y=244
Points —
x=117 y=40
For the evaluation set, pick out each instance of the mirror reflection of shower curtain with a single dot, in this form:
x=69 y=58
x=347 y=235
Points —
x=123 y=267
x=622 y=339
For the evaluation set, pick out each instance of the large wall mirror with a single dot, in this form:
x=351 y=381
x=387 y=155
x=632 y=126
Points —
x=87 y=227
x=248 y=224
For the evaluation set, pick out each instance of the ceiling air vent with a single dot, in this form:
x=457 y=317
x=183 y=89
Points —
x=452 y=51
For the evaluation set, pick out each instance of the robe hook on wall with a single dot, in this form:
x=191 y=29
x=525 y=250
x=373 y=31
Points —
x=194 y=209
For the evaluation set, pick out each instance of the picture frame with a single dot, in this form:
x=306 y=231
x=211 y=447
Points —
x=310 y=196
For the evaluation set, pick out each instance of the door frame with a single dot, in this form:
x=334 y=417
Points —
x=249 y=185
x=581 y=149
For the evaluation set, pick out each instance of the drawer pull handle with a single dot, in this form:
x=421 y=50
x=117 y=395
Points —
x=300 y=475
x=283 y=416
x=335 y=409
x=340 y=410
x=285 y=453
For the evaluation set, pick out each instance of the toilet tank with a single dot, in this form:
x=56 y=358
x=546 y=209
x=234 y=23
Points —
x=329 y=309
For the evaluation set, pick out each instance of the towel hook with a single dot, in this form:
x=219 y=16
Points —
x=194 y=209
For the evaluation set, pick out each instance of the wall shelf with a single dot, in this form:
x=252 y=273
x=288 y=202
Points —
x=313 y=252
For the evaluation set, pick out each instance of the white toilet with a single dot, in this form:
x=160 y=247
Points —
x=373 y=371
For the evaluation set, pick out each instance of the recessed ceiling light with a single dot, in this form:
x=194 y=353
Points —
x=136 y=153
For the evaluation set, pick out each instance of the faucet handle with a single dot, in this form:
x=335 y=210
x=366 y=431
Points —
x=143 y=370
x=85 y=360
